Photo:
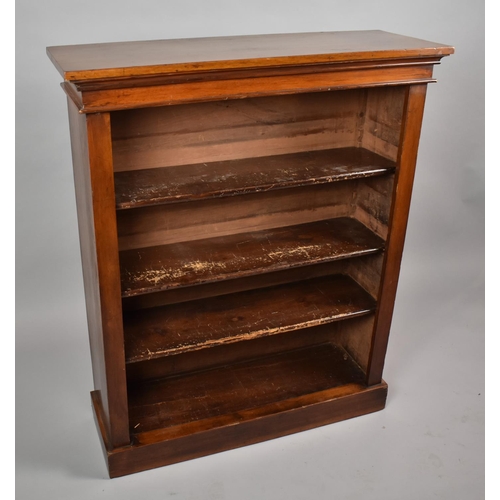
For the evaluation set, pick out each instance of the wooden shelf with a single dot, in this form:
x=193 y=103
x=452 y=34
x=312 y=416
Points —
x=160 y=268
x=200 y=324
x=231 y=393
x=157 y=186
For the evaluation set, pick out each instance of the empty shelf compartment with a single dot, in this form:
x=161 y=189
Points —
x=158 y=268
x=155 y=186
x=230 y=394
x=204 y=323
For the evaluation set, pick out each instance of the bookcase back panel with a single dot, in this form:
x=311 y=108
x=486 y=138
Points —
x=228 y=130
x=255 y=127
x=166 y=224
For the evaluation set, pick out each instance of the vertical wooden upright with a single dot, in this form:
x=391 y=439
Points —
x=93 y=173
x=405 y=173
x=242 y=208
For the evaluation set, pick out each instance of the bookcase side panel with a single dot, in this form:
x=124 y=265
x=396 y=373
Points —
x=93 y=175
x=405 y=172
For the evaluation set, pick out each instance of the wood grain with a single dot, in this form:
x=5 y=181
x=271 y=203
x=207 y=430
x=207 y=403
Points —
x=231 y=389
x=106 y=247
x=355 y=337
x=175 y=444
x=230 y=353
x=242 y=207
x=183 y=264
x=201 y=324
x=222 y=90
x=229 y=130
x=410 y=135
x=372 y=203
x=136 y=59
x=266 y=210
x=382 y=120
x=186 y=294
x=93 y=170
x=230 y=178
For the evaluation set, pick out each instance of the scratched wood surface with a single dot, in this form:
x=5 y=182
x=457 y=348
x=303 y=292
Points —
x=228 y=178
x=242 y=316
x=182 y=264
x=250 y=172
x=209 y=218
x=230 y=353
x=233 y=388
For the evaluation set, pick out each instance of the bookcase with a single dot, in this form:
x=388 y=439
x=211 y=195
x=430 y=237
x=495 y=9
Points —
x=242 y=206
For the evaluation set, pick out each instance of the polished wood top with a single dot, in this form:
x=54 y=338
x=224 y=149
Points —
x=161 y=57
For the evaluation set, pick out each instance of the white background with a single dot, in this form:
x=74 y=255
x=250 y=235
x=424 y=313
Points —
x=429 y=441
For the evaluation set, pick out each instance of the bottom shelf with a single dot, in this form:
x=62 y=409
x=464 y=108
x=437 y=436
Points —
x=197 y=414
x=215 y=396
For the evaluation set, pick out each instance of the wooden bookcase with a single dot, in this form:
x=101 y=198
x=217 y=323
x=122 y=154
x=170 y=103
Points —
x=242 y=206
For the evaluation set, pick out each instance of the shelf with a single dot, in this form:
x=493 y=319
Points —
x=200 y=324
x=230 y=394
x=164 y=267
x=227 y=178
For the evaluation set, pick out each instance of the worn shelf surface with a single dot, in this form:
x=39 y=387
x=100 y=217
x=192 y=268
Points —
x=224 y=395
x=226 y=178
x=163 y=267
x=199 y=324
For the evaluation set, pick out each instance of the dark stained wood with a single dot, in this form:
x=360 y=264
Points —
x=355 y=337
x=136 y=59
x=252 y=282
x=399 y=218
x=183 y=264
x=242 y=74
x=206 y=91
x=93 y=171
x=235 y=352
x=106 y=247
x=241 y=316
x=83 y=193
x=228 y=178
x=99 y=418
x=254 y=426
x=267 y=210
x=229 y=130
x=382 y=120
x=373 y=203
x=228 y=390
x=366 y=271
x=252 y=292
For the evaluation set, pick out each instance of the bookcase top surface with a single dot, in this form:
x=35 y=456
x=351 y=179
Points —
x=121 y=60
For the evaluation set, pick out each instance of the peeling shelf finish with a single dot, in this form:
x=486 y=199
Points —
x=157 y=186
x=200 y=324
x=163 y=267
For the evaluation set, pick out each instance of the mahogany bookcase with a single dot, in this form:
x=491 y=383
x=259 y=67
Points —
x=242 y=207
